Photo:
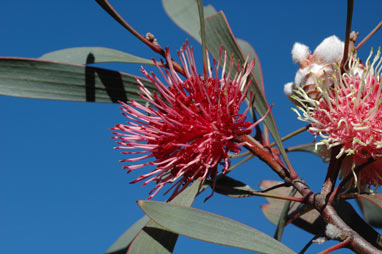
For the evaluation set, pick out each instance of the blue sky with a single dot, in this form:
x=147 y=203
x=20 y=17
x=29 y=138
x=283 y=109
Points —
x=62 y=189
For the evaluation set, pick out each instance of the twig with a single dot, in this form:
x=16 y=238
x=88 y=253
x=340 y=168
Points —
x=155 y=47
x=347 y=33
x=308 y=244
x=369 y=35
x=336 y=247
x=357 y=243
x=292 y=134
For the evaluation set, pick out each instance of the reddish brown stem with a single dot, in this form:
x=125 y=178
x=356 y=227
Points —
x=155 y=47
x=369 y=35
x=318 y=201
x=347 y=179
x=263 y=154
x=332 y=174
x=336 y=247
x=347 y=32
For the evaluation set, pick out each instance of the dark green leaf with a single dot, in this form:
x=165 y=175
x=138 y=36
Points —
x=210 y=227
x=220 y=34
x=233 y=188
x=371 y=206
x=40 y=79
x=352 y=218
x=154 y=238
x=87 y=55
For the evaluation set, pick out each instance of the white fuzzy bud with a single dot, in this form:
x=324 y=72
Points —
x=300 y=52
x=330 y=50
x=288 y=89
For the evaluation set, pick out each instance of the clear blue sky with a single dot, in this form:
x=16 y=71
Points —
x=62 y=189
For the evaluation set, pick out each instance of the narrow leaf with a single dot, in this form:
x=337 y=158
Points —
x=154 y=238
x=184 y=13
x=219 y=33
x=352 y=218
x=283 y=216
x=248 y=50
x=371 y=206
x=319 y=150
x=86 y=55
x=233 y=188
x=311 y=220
x=203 y=36
x=304 y=217
x=374 y=198
x=210 y=227
x=120 y=246
x=32 y=78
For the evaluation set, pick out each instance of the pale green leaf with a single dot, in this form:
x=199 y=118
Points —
x=87 y=55
x=153 y=238
x=371 y=206
x=125 y=239
x=210 y=227
x=184 y=13
x=39 y=79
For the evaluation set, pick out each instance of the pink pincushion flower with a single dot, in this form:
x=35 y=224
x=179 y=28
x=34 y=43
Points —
x=349 y=113
x=188 y=127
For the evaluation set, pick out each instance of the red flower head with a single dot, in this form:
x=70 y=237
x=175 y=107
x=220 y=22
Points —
x=349 y=114
x=188 y=126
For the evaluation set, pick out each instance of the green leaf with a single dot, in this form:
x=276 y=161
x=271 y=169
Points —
x=321 y=150
x=39 y=79
x=371 y=206
x=154 y=238
x=120 y=246
x=210 y=227
x=219 y=33
x=185 y=15
x=283 y=217
x=87 y=55
x=247 y=49
x=233 y=188
x=309 y=220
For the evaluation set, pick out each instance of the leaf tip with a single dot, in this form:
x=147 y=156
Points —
x=140 y=203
